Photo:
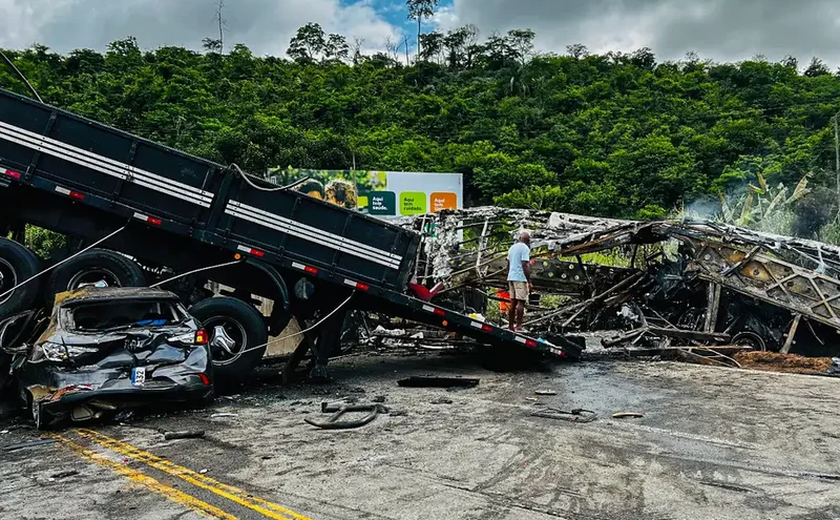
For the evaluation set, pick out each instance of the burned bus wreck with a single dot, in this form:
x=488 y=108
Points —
x=678 y=283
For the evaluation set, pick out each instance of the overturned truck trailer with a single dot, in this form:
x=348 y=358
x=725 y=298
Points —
x=677 y=282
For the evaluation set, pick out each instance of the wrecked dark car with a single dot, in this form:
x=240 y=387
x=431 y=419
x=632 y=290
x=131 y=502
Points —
x=103 y=350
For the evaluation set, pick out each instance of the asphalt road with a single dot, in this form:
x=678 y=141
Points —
x=713 y=444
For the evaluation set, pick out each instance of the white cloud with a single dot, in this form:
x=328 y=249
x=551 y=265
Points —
x=724 y=30
x=446 y=17
x=717 y=29
x=266 y=26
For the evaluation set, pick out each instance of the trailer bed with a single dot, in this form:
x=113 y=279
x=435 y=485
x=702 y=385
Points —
x=72 y=175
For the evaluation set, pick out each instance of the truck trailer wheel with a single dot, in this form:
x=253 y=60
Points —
x=238 y=336
x=16 y=265
x=97 y=267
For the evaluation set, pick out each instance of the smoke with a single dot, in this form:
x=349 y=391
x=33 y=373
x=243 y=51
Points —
x=704 y=208
x=795 y=210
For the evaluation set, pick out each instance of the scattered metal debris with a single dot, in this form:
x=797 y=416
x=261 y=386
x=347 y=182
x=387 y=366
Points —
x=63 y=474
x=577 y=415
x=545 y=392
x=628 y=415
x=438 y=382
x=188 y=434
x=661 y=283
x=125 y=416
x=225 y=414
x=332 y=423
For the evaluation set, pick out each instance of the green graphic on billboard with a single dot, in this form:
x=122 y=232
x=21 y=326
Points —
x=412 y=203
x=382 y=203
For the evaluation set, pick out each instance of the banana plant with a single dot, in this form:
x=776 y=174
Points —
x=761 y=202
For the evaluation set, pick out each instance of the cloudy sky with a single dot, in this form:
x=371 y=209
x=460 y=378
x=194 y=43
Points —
x=724 y=30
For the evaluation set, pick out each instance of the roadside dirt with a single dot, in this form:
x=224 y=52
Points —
x=788 y=363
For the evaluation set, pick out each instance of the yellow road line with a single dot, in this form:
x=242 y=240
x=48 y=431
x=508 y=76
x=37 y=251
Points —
x=243 y=498
x=146 y=481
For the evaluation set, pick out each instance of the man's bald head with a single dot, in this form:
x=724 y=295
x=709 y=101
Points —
x=525 y=237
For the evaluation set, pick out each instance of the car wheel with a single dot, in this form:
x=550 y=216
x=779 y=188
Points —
x=238 y=336
x=17 y=264
x=97 y=267
x=40 y=417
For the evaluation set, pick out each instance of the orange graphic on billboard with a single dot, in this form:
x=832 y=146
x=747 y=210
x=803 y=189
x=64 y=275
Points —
x=443 y=200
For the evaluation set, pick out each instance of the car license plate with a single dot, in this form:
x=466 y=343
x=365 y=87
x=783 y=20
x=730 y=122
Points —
x=138 y=376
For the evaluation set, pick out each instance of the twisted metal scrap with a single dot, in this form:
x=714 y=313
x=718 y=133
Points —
x=798 y=275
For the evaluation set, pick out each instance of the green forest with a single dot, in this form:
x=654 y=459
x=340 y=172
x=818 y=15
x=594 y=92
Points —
x=616 y=134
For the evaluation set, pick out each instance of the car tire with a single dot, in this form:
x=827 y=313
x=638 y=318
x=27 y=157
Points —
x=114 y=268
x=40 y=417
x=228 y=319
x=17 y=264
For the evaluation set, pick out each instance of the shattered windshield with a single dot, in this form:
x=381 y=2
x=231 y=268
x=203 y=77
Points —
x=109 y=315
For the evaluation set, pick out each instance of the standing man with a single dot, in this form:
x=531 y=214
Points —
x=519 y=279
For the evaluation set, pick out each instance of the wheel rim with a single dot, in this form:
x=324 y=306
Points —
x=97 y=277
x=228 y=340
x=8 y=279
x=36 y=415
x=750 y=339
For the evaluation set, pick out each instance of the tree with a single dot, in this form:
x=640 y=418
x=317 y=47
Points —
x=644 y=58
x=432 y=46
x=391 y=48
x=577 y=51
x=497 y=51
x=212 y=45
x=356 y=49
x=418 y=10
x=309 y=43
x=336 y=48
x=791 y=62
x=125 y=47
x=220 y=19
x=457 y=42
x=816 y=68
x=521 y=41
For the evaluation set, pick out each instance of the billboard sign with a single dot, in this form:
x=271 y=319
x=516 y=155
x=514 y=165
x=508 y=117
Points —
x=379 y=193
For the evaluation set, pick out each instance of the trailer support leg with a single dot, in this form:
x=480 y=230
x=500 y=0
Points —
x=298 y=356
x=327 y=345
x=323 y=343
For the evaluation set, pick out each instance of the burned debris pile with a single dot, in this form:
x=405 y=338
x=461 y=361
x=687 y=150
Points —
x=695 y=286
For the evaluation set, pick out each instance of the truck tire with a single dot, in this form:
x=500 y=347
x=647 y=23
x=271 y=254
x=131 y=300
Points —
x=94 y=266
x=234 y=327
x=16 y=265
